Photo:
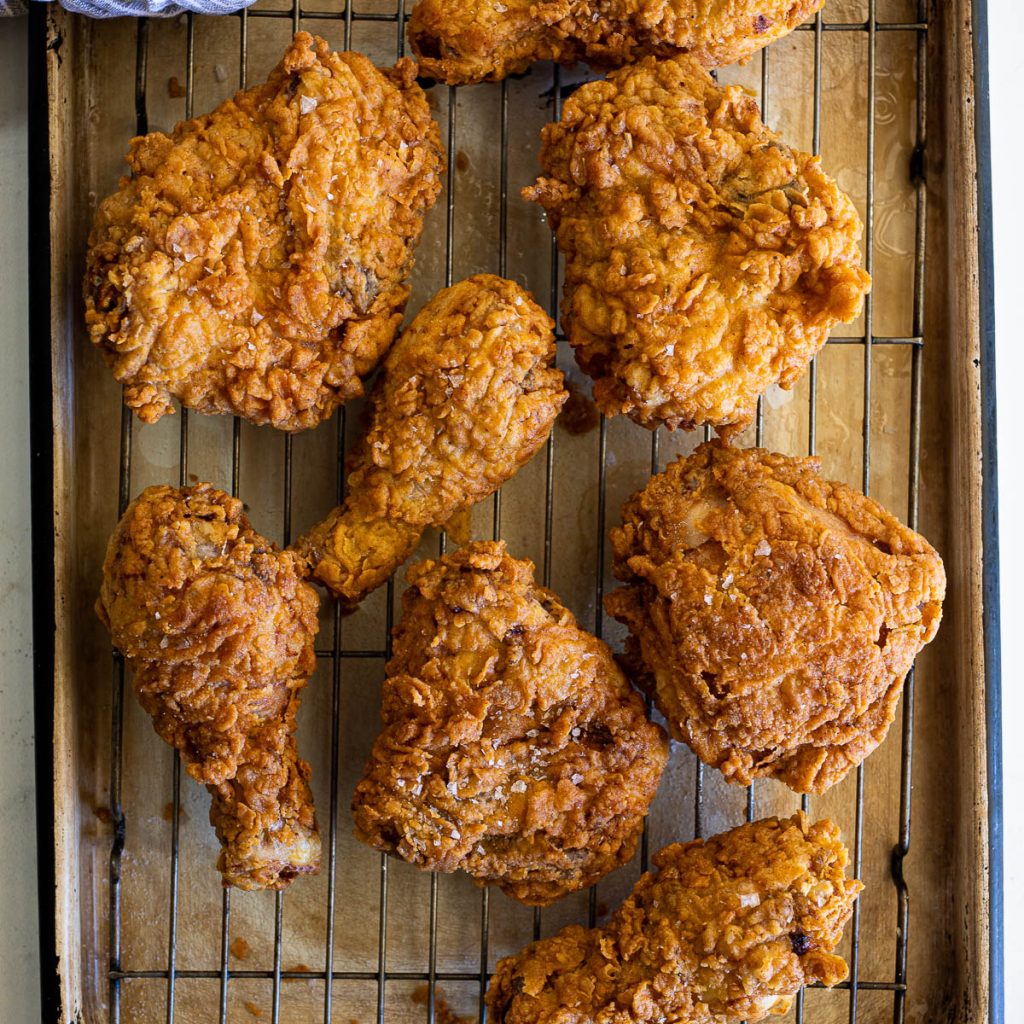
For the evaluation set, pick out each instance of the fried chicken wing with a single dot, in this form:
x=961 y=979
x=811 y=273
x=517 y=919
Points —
x=724 y=930
x=255 y=260
x=468 y=395
x=775 y=613
x=217 y=627
x=486 y=40
x=705 y=258
x=513 y=747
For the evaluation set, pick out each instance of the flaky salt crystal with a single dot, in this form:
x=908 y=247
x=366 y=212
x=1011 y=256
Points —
x=518 y=786
x=307 y=104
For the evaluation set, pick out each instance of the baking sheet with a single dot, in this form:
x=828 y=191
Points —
x=857 y=410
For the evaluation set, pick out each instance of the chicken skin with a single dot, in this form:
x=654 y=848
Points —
x=724 y=930
x=773 y=614
x=217 y=627
x=484 y=40
x=255 y=260
x=468 y=395
x=513 y=747
x=705 y=258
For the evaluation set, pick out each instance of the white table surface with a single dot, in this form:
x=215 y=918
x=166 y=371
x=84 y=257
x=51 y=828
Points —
x=18 y=944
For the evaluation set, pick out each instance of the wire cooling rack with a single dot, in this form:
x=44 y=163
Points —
x=220 y=968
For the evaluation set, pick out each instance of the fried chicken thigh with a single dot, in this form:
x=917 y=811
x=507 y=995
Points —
x=468 y=395
x=217 y=627
x=255 y=260
x=705 y=258
x=484 y=40
x=775 y=614
x=724 y=930
x=513 y=747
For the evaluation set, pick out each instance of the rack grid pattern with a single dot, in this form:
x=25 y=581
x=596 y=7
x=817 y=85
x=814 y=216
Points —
x=897 y=985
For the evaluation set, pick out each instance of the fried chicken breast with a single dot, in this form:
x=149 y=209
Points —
x=513 y=747
x=467 y=396
x=217 y=627
x=486 y=40
x=705 y=258
x=723 y=931
x=774 y=614
x=255 y=260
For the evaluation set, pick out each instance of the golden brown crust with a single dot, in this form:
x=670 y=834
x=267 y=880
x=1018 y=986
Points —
x=705 y=258
x=468 y=395
x=723 y=931
x=513 y=747
x=255 y=261
x=217 y=627
x=775 y=613
x=485 y=40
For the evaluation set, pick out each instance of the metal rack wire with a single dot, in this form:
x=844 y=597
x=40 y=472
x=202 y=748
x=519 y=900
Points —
x=117 y=975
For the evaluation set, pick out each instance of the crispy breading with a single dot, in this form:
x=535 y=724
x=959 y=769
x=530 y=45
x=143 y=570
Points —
x=467 y=396
x=217 y=627
x=255 y=260
x=773 y=614
x=486 y=40
x=705 y=258
x=513 y=747
x=722 y=931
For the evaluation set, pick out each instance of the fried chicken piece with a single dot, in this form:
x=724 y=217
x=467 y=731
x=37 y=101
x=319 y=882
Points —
x=705 y=258
x=484 y=40
x=513 y=747
x=255 y=261
x=217 y=626
x=468 y=395
x=724 y=930
x=776 y=613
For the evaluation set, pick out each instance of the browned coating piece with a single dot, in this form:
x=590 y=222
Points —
x=255 y=261
x=484 y=40
x=705 y=258
x=723 y=931
x=468 y=395
x=217 y=627
x=513 y=747
x=775 y=614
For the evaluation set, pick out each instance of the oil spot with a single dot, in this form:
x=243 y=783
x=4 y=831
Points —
x=168 y=812
x=461 y=161
x=579 y=415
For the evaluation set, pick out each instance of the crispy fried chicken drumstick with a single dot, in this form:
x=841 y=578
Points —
x=468 y=395
x=217 y=627
x=773 y=614
x=705 y=258
x=722 y=931
x=462 y=41
x=513 y=747
x=255 y=260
